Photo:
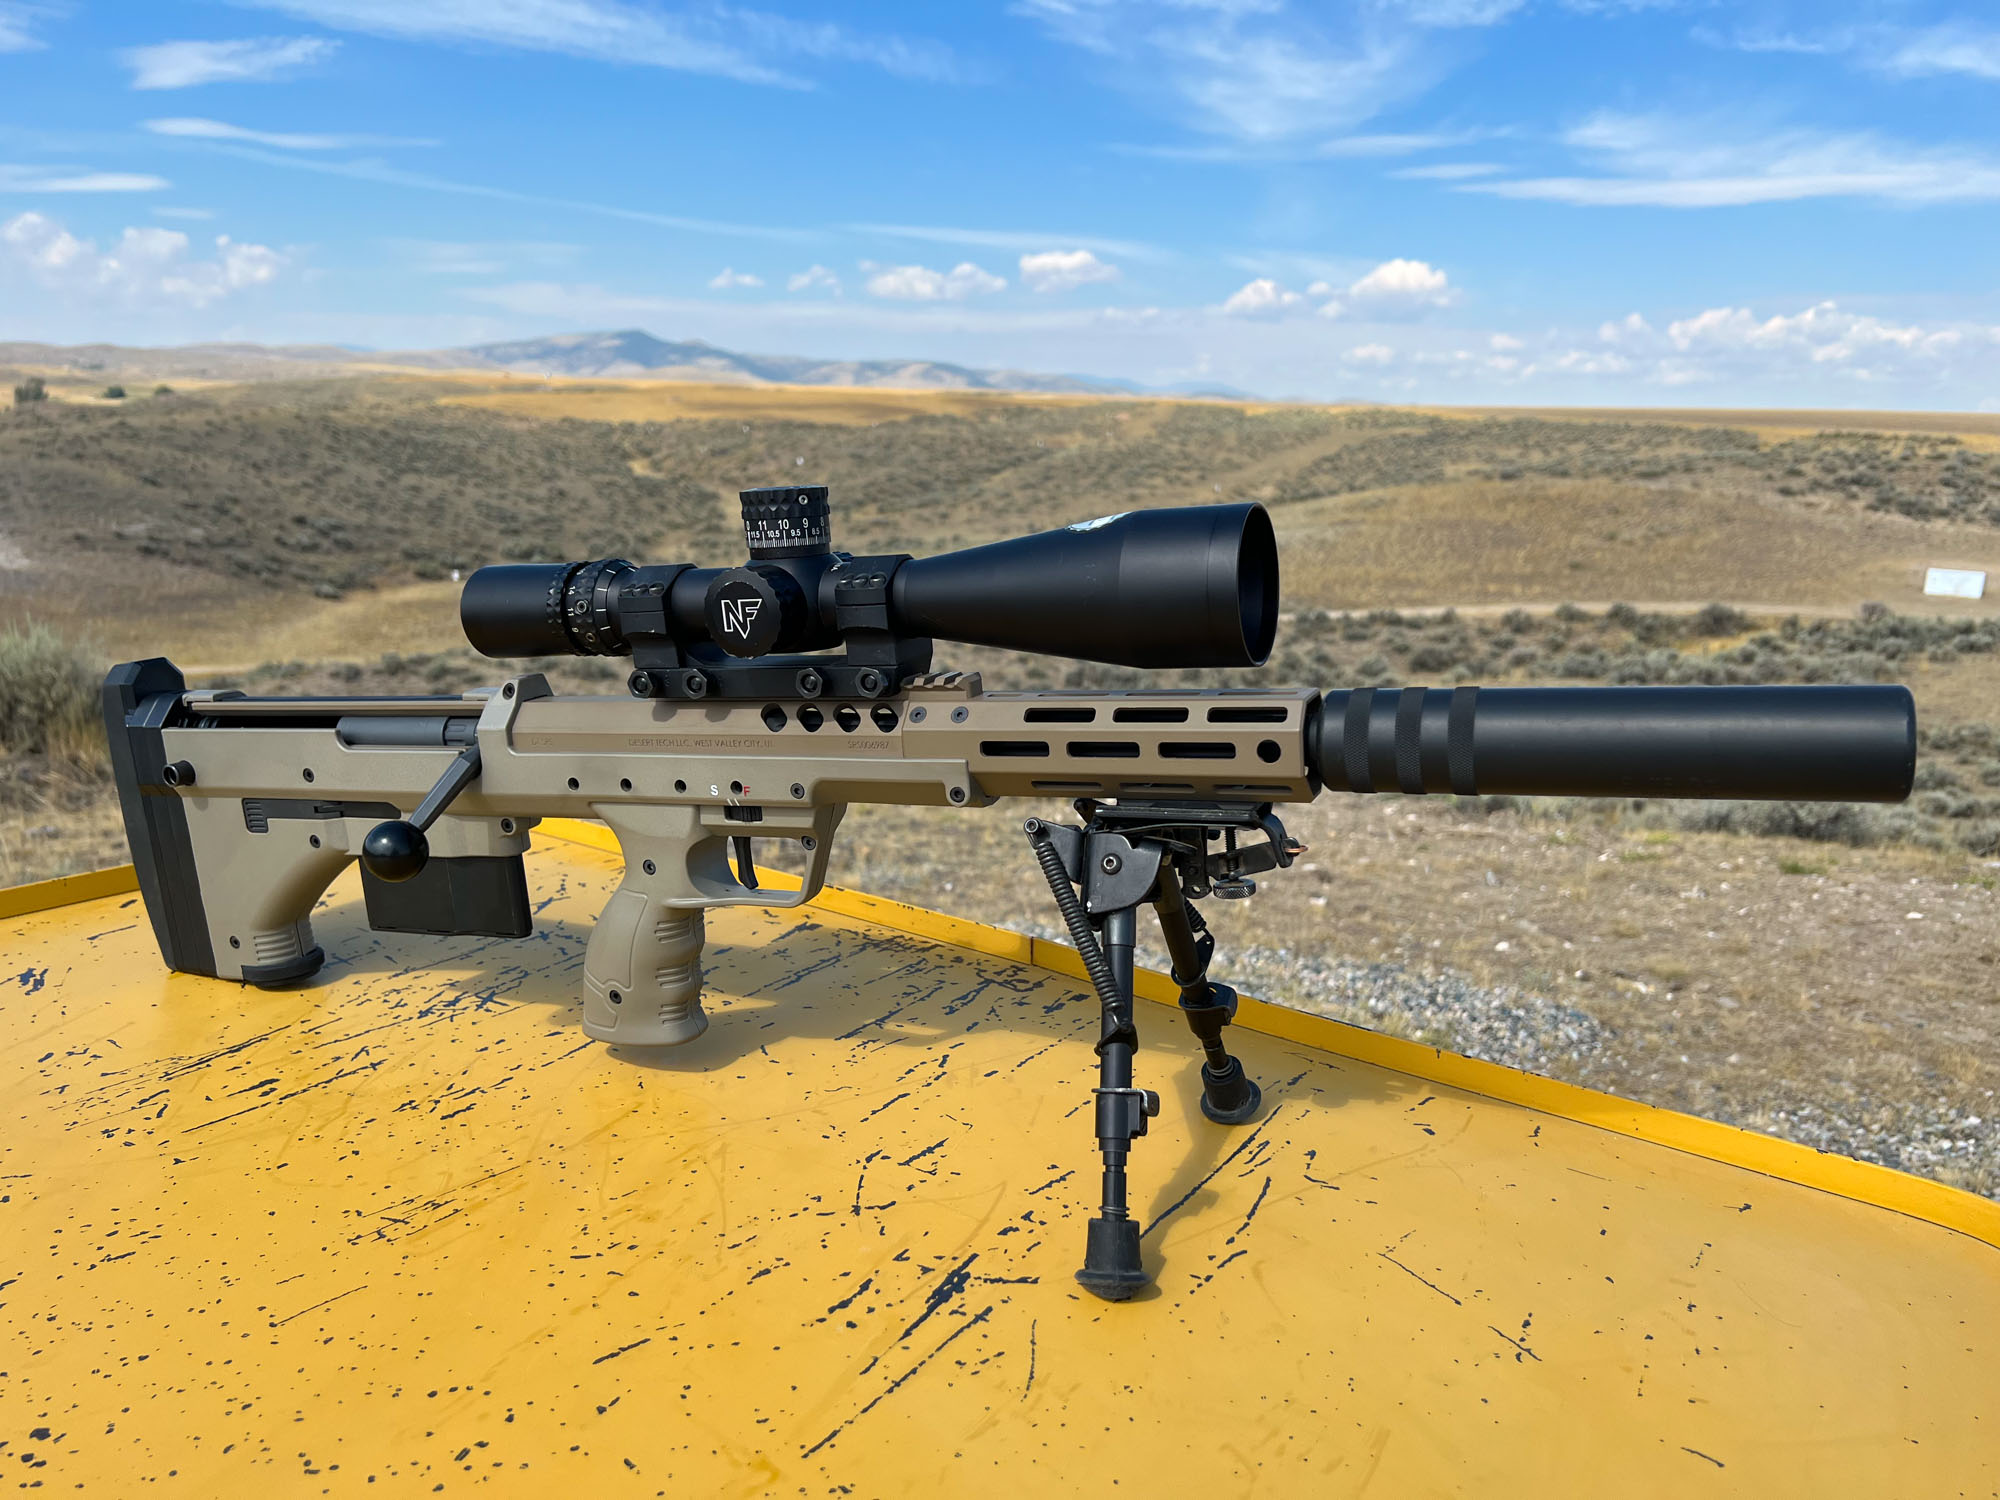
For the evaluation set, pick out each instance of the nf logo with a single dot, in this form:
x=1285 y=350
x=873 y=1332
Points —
x=737 y=615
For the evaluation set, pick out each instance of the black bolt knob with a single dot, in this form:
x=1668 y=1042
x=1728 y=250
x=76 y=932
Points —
x=179 y=773
x=395 y=851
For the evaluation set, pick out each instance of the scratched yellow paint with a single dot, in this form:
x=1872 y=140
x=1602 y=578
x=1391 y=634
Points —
x=405 y=1229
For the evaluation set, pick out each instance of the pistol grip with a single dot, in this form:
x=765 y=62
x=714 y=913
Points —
x=642 y=971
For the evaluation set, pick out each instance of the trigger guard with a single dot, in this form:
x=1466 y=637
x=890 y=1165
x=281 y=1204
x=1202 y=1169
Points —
x=711 y=873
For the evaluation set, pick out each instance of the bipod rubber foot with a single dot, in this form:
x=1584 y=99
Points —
x=1229 y=1097
x=1111 y=1267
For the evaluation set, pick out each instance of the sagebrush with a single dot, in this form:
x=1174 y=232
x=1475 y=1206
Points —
x=48 y=695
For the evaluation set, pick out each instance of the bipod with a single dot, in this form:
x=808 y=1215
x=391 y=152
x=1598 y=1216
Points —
x=1127 y=856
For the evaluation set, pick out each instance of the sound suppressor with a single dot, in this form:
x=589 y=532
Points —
x=1792 y=744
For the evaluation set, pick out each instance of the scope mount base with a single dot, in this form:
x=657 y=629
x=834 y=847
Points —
x=698 y=674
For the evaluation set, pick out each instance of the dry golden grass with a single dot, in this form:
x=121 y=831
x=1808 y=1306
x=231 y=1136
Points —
x=159 y=609
x=66 y=819
x=1527 y=542
x=667 y=401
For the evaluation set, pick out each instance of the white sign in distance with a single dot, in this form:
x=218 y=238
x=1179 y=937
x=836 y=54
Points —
x=1955 y=583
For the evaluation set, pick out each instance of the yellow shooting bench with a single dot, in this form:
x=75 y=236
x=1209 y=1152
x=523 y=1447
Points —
x=405 y=1232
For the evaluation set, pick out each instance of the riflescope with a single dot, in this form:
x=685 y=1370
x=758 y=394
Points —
x=1192 y=587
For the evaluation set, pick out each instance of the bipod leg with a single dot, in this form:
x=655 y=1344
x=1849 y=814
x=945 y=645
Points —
x=1111 y=1265
x=1228 y=1095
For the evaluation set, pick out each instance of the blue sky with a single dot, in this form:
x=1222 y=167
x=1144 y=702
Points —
x=1659 y=202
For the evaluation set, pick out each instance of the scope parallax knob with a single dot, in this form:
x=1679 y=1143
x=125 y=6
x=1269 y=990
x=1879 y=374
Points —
x=395 y=851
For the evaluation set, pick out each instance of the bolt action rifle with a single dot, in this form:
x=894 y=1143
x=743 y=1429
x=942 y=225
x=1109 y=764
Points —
x=764 y=699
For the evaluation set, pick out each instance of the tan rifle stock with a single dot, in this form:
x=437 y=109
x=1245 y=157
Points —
x=675 y=782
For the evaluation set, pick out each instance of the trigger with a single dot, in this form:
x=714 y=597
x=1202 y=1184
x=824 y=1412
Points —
x=746 y=866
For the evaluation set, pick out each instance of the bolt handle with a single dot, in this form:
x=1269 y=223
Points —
x=397 y=850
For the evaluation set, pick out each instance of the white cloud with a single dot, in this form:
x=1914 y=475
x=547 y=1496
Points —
x=479 y=258
x=1024 y=240
x=1064 y=270
x=1404 y=144
x=722 y=40
x=1253 y=71
x=1505 y=343
x=172 y=211
x=1667 y=162
x=1631 y=327
x=1263 y=298
x=1392 y=291
x=1588 y=362
x=1951 y=48
x=146 y=269
x=1898 y=51
x=813 y=276
x=728 y=278
x=216 y=130
x=1784 y=352
x=363 y=169
x=26 y=179
x=1450 y=171
x=1823 y=334
x=1402 y=288
x=1335 y=148
x=1370 y=354
x=180 y=65
x=17 y=18
x=922 y=284
x=1460 y=12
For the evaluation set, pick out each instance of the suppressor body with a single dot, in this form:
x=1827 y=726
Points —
x=1795 y=744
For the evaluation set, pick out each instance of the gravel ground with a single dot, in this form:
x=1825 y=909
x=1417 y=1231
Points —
x=1532 y=1032
x=1504 y=1025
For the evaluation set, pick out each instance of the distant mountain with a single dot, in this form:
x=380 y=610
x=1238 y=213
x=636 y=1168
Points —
x=187 y=362
x=629 y=354
x=634 y=354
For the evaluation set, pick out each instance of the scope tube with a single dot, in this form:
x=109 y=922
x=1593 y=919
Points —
x=1193 y=586
x=1791 y=744
x=1190 y=587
